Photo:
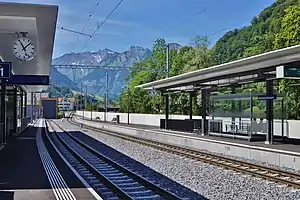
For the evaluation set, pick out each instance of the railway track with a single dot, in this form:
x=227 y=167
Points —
x=271 y=174
x=108 y=178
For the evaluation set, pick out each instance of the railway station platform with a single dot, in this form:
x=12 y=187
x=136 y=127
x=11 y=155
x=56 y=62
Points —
x=24 y=74
x=22 y=174
x=31 y=169
x=285 y=155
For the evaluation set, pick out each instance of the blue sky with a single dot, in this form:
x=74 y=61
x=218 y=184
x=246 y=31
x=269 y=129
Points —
x=140 y=22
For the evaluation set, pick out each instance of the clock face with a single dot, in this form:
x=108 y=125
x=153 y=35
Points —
x=24 y=49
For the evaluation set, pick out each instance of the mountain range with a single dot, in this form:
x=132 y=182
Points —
x=95 y=78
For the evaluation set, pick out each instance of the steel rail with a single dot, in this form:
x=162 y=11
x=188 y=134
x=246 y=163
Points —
x=268 y=173
x=158 y=190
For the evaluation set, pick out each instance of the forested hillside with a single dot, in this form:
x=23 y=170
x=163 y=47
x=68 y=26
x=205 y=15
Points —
x=276 y=27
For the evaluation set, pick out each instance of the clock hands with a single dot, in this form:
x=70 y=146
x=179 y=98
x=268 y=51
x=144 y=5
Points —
x=24 y=49
x=30 y=43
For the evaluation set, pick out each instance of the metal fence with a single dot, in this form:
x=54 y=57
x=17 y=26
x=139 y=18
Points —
x=257 y=129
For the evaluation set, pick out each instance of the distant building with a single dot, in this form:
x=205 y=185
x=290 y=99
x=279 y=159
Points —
x=65 y=104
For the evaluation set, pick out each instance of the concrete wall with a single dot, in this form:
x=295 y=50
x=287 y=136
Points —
x=272 y=156
x=291 y=127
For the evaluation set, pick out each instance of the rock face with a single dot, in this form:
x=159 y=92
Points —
x=95 y=78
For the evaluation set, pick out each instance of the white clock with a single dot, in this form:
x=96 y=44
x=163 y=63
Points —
x=24 y=49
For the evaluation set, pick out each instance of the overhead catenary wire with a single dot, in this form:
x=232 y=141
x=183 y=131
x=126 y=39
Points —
x=101 y=24
x=219 y=31
x=230 y=28
x=90 y=16
x=85 y=24
x=87 y=21
x=72 y=31
x=188 y=19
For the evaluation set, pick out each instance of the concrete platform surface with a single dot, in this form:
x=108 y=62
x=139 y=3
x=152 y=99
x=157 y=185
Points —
x=276 y=145
x=28 y=166
x=285 y=155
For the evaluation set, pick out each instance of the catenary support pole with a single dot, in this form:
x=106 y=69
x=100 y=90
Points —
x=167 y=94
x=106 y=96
x=85 y=97
x=81 y=100
x=128 y=105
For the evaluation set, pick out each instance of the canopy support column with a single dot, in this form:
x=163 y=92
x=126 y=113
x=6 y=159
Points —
x=167 y=111
x=191 y=105
x=32 y=105
x=25 y=104
x=233 y=91
x=240 y=113
x=269 y=111
x=204 y=126
x=21 y=105
x=15 y=117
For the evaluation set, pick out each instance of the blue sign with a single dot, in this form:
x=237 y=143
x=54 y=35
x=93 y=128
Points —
x=5 y=70
x=265 y=97
x=292 y=71
x=29 y=80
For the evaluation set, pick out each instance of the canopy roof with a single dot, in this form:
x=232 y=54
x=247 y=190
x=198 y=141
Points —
x=251 y=69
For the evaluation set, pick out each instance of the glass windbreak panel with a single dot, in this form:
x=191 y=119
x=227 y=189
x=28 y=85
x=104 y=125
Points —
x=10 y=104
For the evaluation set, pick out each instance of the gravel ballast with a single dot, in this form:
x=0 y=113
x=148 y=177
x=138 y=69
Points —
x=208 y=180
x=245 y=159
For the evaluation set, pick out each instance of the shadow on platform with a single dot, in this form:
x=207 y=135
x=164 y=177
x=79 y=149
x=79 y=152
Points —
x=6 y=195
x=21 y=168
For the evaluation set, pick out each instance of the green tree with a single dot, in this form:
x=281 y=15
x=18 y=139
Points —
x=277 y=26
x=145 y=71
x=198 y=57
x=191 y=58
x=289 y=35
x=177 y=61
